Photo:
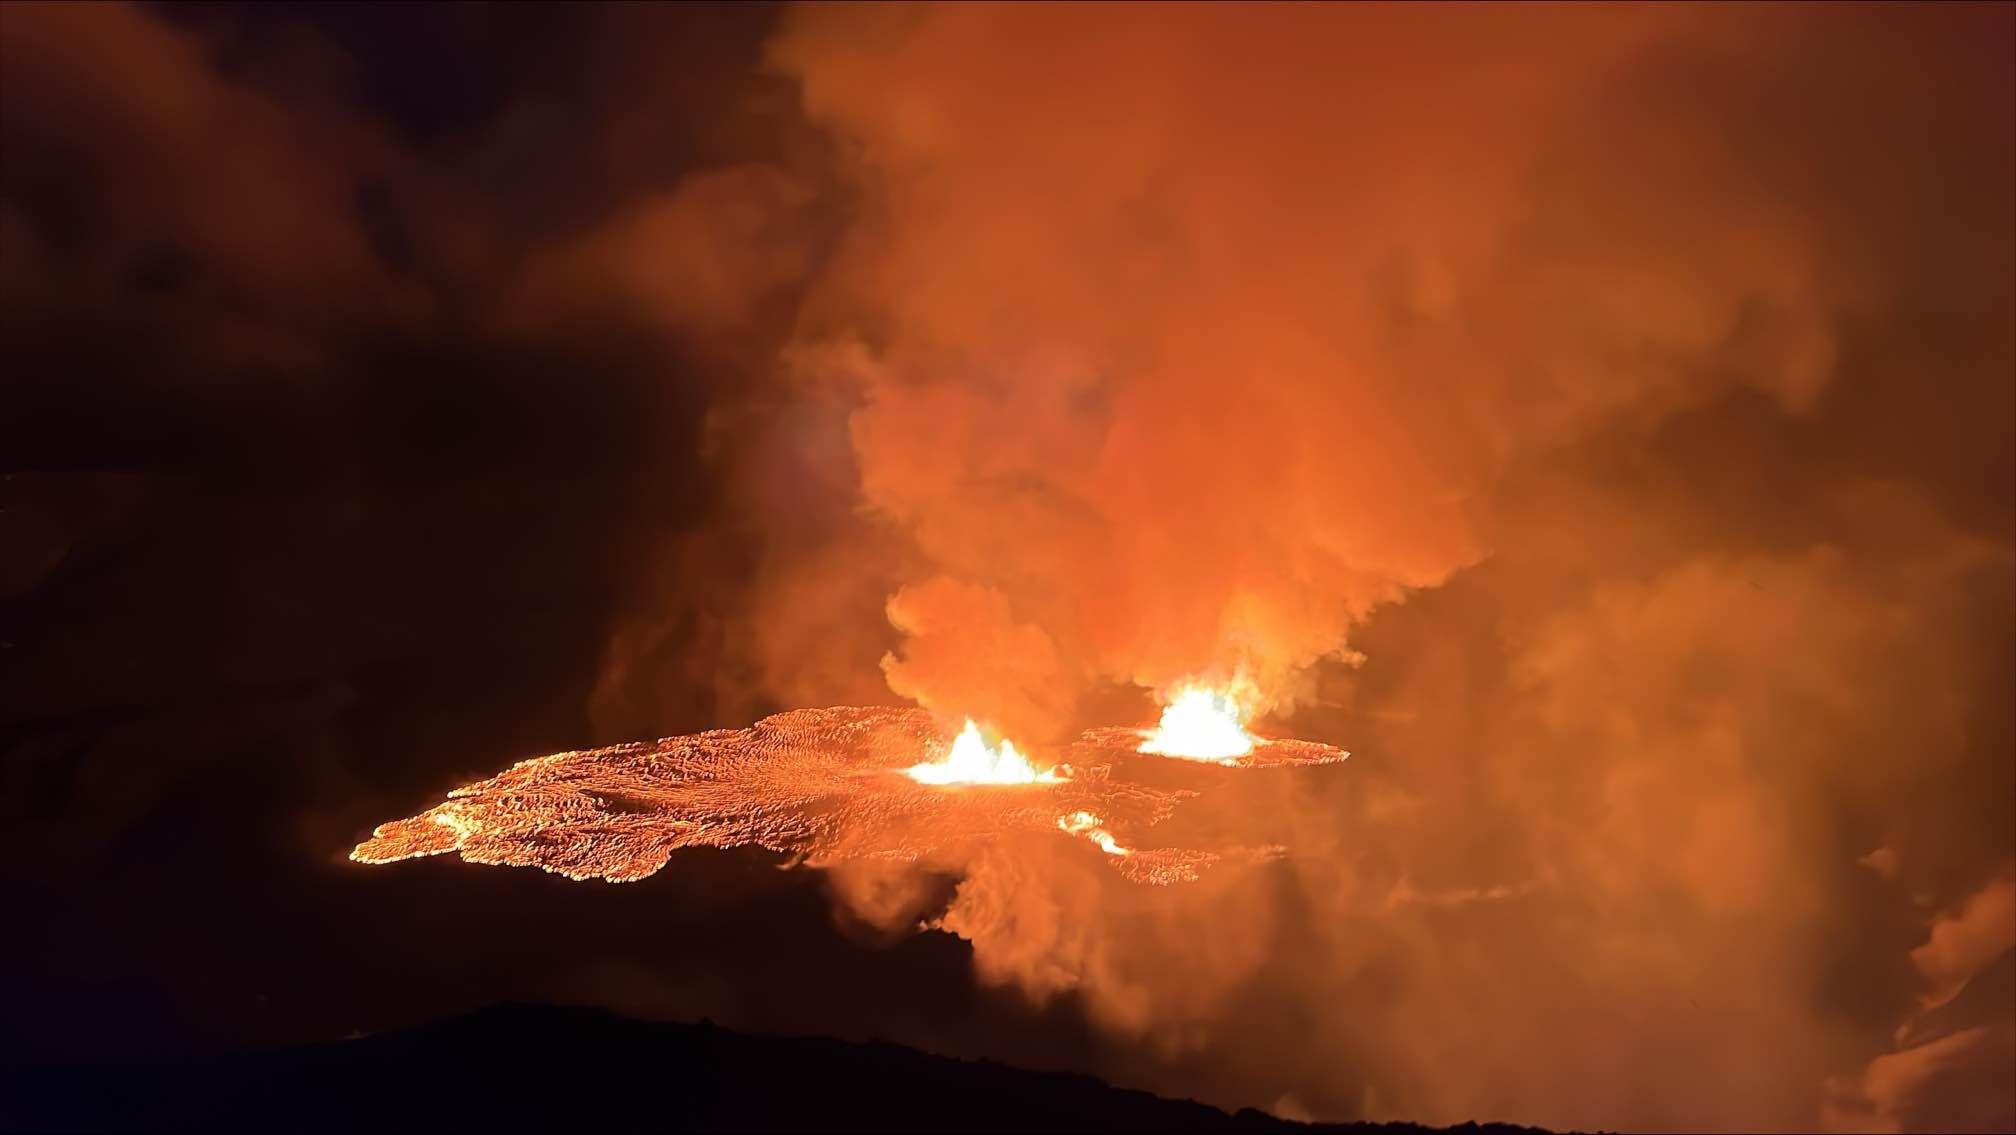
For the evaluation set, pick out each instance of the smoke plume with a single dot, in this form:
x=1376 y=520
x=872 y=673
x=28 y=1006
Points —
x=1584 y=414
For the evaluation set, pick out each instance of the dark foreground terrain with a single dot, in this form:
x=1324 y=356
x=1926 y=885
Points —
x=575 y=1069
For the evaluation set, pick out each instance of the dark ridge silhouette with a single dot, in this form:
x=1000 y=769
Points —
x=567 y=1069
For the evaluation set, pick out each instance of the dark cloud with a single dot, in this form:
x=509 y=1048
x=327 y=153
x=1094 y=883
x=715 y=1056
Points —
x=305 y=514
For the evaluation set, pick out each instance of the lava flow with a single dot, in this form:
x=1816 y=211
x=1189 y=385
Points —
x=1087 y=825
x=822 y=784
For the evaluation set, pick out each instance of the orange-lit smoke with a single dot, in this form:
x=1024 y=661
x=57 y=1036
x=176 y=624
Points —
x=1597 y=418
x=1188 y=345
x=1163 y=346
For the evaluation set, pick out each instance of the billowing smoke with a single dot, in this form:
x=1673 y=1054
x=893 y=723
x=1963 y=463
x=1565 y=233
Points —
x=1189 y=340
x=1598 y=419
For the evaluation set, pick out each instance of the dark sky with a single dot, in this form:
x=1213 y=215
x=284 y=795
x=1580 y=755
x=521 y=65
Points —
x=281 y=562
x=1598 y=419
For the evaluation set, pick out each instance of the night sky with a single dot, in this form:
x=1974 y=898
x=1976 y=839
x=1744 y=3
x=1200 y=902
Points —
x=1600 y=420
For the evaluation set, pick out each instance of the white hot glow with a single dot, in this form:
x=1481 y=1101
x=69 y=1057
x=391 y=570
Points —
x=1200 y=724
x=1087 y=825
x=972 y=761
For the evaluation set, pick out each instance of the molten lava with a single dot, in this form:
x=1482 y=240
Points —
x=818 y=784
x=1201 y=725
x=971 y=761
x=812 y=783
x=1087 y=825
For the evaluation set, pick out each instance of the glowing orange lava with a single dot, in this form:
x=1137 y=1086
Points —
x=1207 y=724
x=1201 y=724
x=971 y=761
x=1087 y=825
x=823 y=785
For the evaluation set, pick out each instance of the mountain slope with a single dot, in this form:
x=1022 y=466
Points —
x=515 y=1067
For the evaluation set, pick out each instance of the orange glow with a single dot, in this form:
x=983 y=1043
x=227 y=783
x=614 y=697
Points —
x=972 y=761
x=1087 y=824
x=1201 y=724
x=811 y=783
x=455 y=820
